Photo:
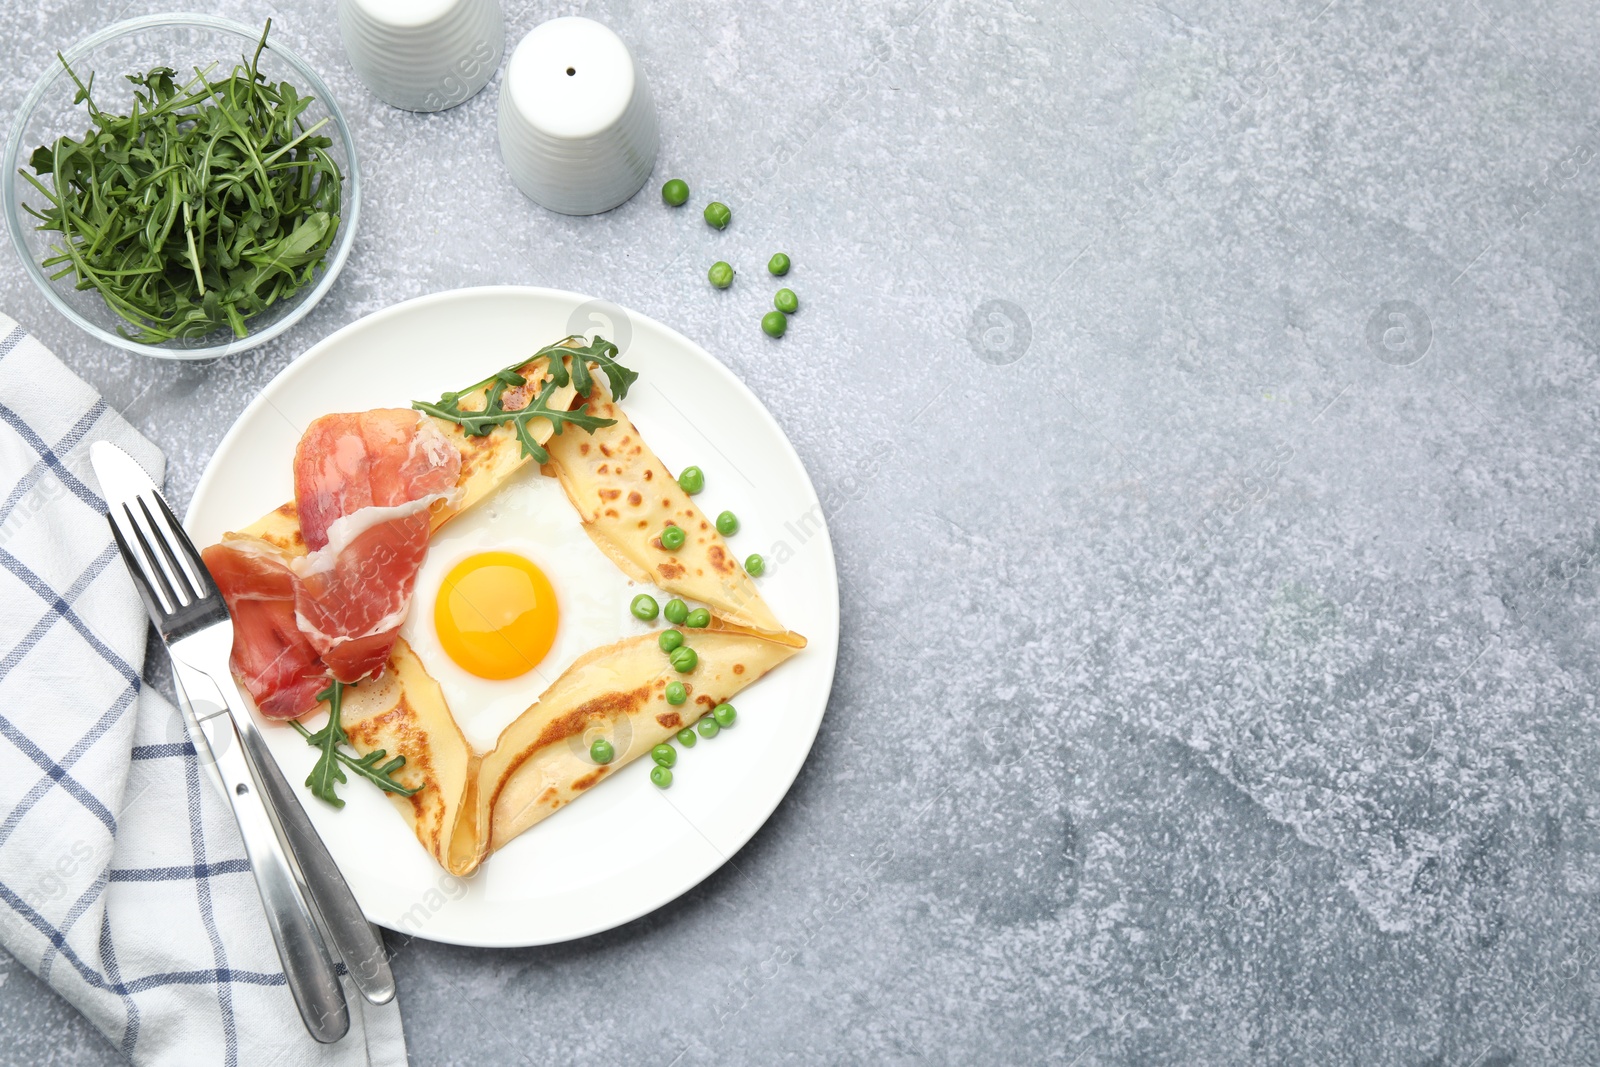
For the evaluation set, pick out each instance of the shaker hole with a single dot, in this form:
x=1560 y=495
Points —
x=571 y=71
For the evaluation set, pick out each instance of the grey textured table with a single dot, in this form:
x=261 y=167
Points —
x=1205 y=398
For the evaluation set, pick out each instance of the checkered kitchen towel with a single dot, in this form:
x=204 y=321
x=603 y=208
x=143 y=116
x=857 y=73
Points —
x=123 y=882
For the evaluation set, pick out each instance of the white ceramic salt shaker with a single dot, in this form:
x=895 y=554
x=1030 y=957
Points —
x=577 y=125
x=423 y=55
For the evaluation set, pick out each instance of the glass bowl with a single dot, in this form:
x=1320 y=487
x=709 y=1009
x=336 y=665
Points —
x=182 y=42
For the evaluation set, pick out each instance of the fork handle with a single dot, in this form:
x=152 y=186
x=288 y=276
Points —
x=355 y=939
x=311 y=977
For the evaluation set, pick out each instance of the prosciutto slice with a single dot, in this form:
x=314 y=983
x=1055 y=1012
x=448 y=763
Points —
x=364 y=484
x=271 y=657
x=388 y=457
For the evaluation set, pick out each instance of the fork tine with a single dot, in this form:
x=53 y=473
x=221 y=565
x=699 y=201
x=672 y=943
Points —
x=136 y=569
x=197 y=568
x=180 y=577
x=154 y=573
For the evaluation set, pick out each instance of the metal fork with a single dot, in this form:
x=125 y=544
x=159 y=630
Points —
x=193 y=621
x=355 y=939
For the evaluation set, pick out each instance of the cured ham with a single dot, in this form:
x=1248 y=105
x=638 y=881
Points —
x=364 y=484
x=352 y=594
x=388 y=457
x=271 y=657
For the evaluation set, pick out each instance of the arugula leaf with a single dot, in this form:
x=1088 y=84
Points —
x=327 y=773
x=600 y=352
x=196 y=209
x=476 y=423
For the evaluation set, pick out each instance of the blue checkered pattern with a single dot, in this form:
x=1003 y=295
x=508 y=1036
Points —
x=122 y=880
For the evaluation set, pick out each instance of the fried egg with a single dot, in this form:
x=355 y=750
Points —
x=510 y=593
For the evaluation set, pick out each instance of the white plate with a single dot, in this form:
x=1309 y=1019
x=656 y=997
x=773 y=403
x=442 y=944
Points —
x=627 y=847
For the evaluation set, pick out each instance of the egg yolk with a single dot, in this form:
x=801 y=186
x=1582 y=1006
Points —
x=496 y=614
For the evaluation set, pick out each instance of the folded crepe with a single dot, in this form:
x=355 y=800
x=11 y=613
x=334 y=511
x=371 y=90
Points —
x=541 y=761
x=468 y=805
x=626 y=497
x=403 y=712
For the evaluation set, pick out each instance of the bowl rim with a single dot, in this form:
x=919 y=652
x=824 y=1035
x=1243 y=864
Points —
x=313 y=81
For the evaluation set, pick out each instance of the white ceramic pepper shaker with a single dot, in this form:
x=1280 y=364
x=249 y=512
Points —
x=423 y=55
x=577 y=125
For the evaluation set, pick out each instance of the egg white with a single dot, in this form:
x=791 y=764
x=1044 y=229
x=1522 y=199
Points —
x=531 y=516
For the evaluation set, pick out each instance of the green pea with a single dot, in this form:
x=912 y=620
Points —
x=675 y=192
x=669 y=640
x=727 y=524
x=778 y=264
x=720 y=274
x=708 y=727
x=687 y=737
x=683 y=660
x=785 y=301
x=676 y=611
x=774 y=323
x=718 y=215
x=724 y=715
x=661 y=776
x=601 y=751
x=692 y=480
x=644 y=607
x=754 y=565
x=699 y=618
x=672 y=538
x=665 y=755
x=676 y=693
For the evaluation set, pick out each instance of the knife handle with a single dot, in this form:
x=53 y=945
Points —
x=356 y=940
x=310 y=973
